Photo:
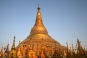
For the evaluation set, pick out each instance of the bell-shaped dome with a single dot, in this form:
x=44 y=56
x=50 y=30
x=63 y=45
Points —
x=39 y=32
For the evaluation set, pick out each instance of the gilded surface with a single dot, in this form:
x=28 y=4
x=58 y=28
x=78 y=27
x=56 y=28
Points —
x=40 y=45
x=39 y=33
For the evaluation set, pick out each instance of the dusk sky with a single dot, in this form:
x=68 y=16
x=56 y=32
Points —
x=65 y=20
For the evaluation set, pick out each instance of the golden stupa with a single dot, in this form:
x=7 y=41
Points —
x=39 y=44
x=39 y=35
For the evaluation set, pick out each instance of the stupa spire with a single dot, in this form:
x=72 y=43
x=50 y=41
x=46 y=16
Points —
x=13 y=46
x=38 y=28
x=38 y=16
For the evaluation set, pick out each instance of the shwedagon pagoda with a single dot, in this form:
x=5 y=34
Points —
x=39 y=44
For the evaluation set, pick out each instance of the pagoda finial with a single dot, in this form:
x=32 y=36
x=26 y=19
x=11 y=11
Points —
x=19 y=41
x=77 y=39
x=13 y=46
x=67 y=45
x=38 y=7
x=38 y=16
x=8 y=46
x=14 y=37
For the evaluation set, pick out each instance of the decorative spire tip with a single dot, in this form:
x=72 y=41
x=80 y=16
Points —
x=38 y=7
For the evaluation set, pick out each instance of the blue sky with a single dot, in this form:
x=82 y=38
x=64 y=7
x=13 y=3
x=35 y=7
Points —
x=65 y=20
